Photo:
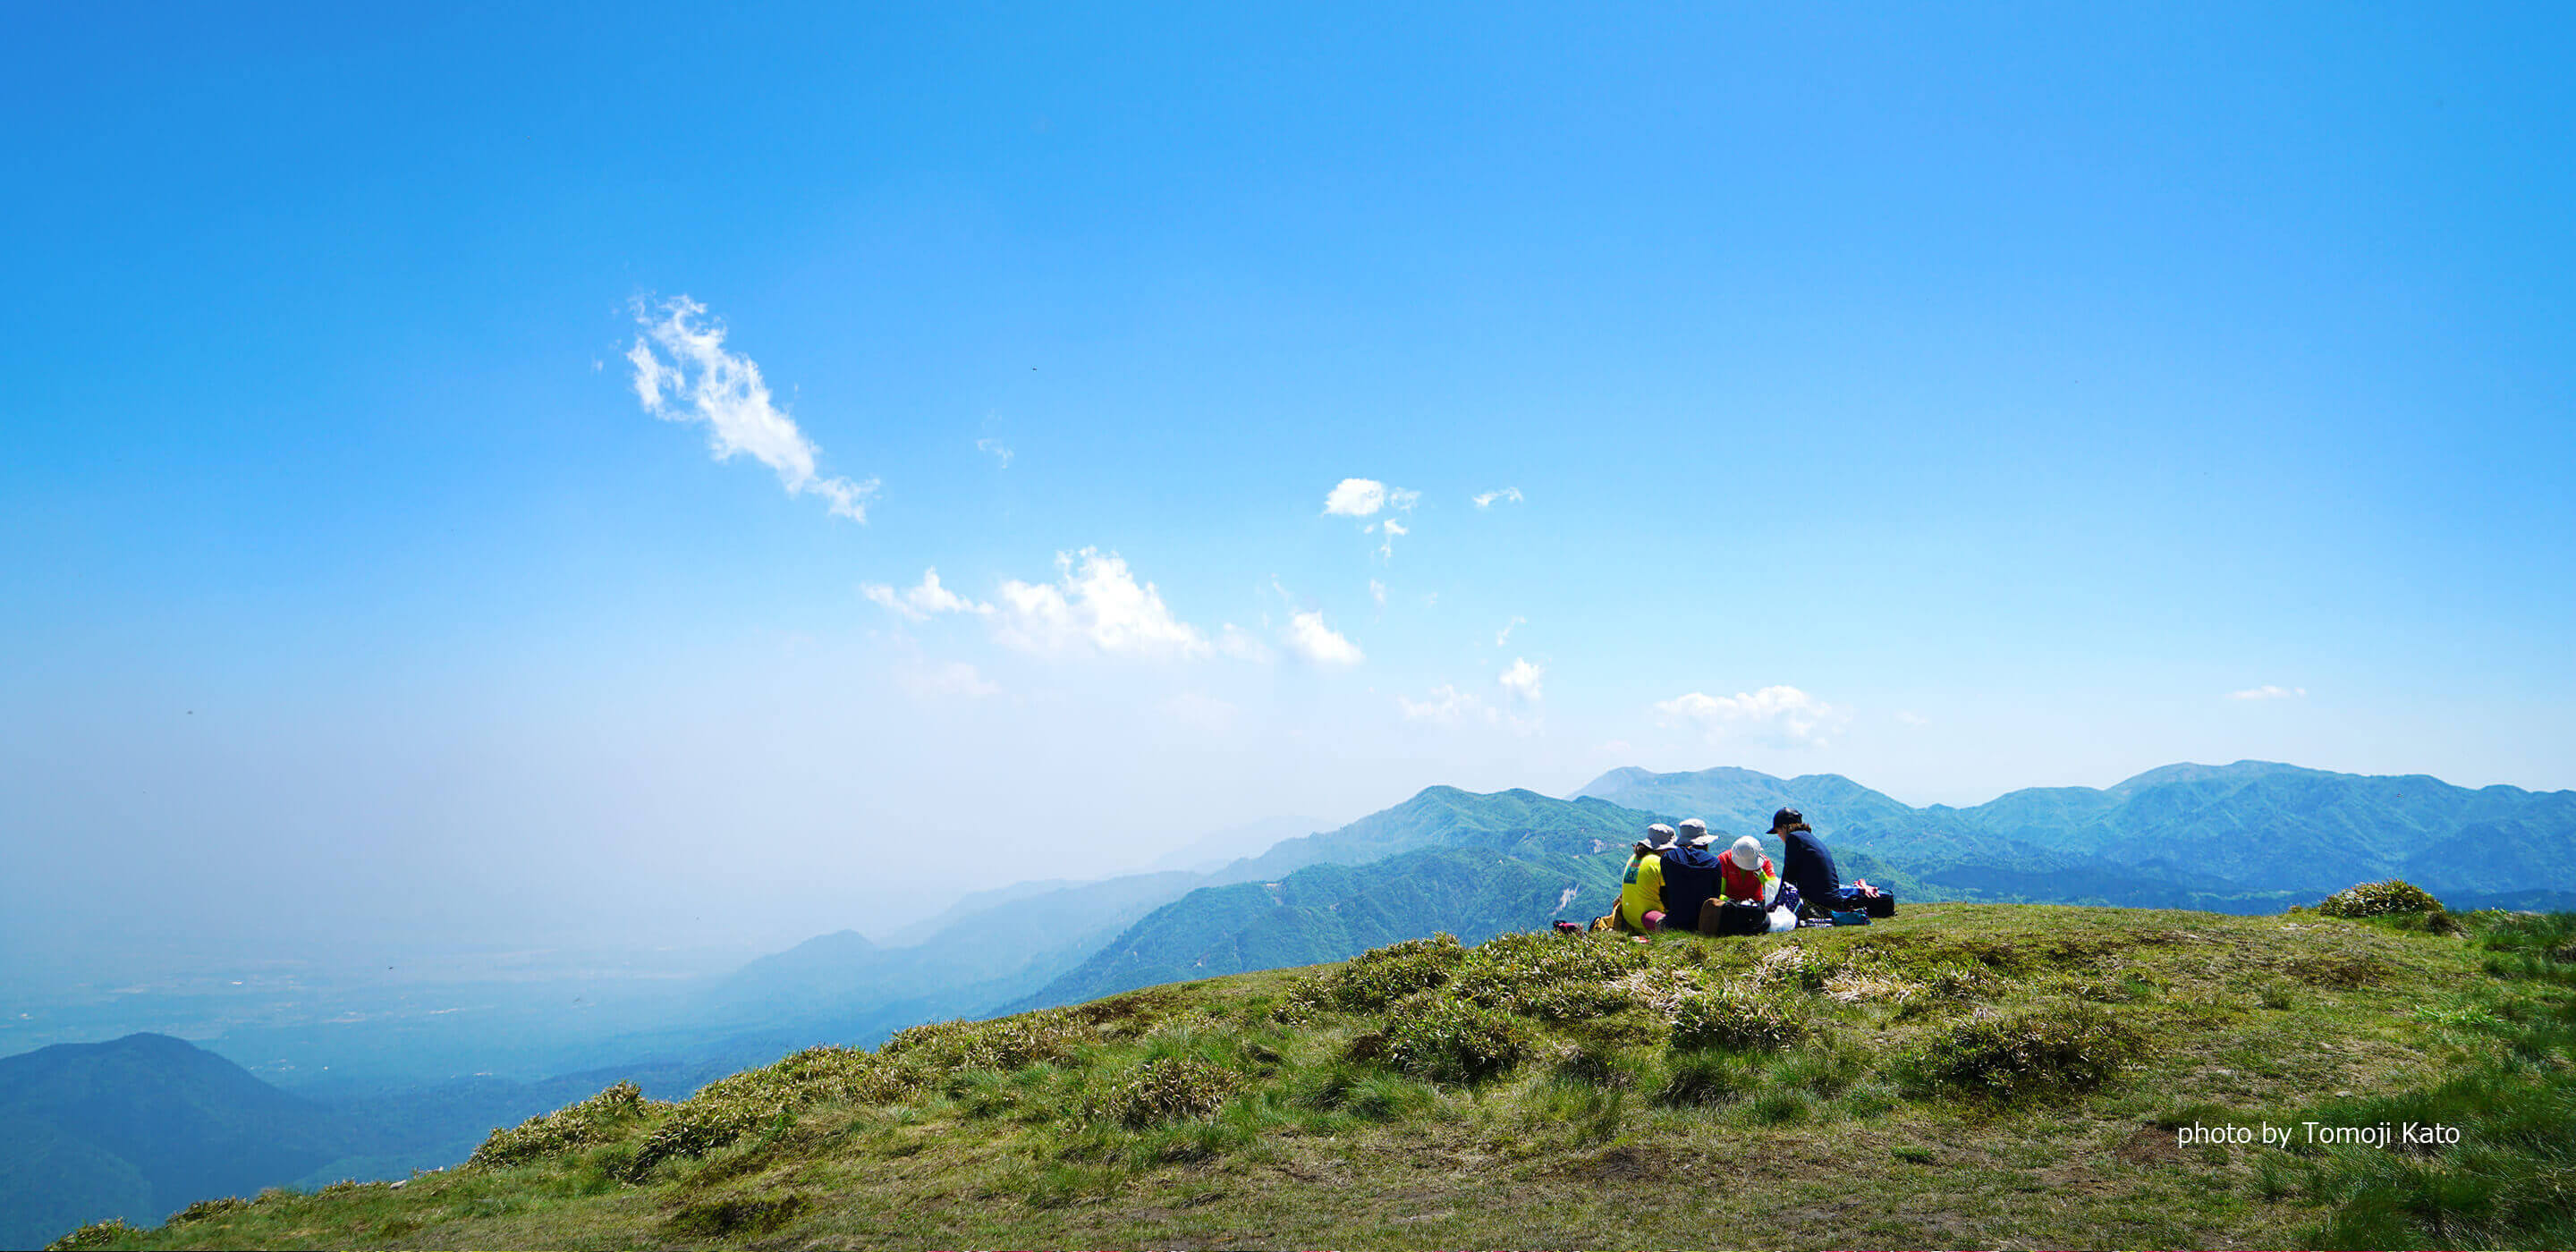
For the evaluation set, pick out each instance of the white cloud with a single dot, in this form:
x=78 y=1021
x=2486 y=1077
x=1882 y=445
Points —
x=2267 y=692
x=1095 y=605
x=1318 y=644
x=1447 y=706
x=918 y=603
x=701 y=382
x=1912 y=719
x=1377 y=592
x=1363 y=497
x=1504 y=635
x=954 y=679
x=1521 y=679
x=1392 y=528
x=1779 y=716
x=1486 y=499
x=1355 y=497
x=995 y=447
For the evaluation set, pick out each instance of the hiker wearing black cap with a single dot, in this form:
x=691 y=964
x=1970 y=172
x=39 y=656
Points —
x=1810 y=868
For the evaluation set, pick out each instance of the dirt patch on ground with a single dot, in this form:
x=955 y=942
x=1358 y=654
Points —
x=1616 y=1164
x=1131 y=1014
x=2149 y=1146
x=2337 y=969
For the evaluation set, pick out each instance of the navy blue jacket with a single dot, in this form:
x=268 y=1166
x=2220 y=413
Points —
x=1810 y=868
x=1691 y=876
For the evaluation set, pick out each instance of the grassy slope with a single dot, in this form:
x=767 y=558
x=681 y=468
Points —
x=1604 y=1136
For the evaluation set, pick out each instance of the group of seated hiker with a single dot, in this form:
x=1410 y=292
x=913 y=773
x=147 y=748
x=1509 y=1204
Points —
x=1674 y=881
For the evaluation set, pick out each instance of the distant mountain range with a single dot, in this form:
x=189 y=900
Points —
x=2247 y=837
x=98 y=1129
x=140 y=1126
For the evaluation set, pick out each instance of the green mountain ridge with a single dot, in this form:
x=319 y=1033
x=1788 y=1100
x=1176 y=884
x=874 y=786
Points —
x=1960 y=1075
x=146 y=1124
x=1479 y=865
x=2259 y=831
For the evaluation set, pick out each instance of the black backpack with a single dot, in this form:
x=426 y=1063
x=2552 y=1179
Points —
x=1741 y=917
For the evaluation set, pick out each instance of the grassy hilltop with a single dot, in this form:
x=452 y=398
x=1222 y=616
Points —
x=1963 y=1075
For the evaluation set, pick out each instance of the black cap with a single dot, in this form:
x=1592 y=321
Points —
x=1786 y=818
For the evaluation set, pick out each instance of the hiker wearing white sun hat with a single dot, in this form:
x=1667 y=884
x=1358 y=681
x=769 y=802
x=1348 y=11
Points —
x=1748 y=874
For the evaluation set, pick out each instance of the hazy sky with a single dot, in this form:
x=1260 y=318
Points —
x=481 y=475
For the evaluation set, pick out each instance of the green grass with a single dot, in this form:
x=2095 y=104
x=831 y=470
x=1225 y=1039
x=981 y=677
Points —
x=1960 y=1075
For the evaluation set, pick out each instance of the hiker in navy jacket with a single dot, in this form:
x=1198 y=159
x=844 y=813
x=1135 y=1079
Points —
x=1810 y=868
x=1692 y=877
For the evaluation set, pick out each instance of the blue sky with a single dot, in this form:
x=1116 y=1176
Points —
x=1954 y=400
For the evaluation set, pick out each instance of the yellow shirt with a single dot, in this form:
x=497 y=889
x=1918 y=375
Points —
x=1641 y=889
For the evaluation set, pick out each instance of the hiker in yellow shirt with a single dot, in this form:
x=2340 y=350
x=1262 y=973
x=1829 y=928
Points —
x=1641 y=888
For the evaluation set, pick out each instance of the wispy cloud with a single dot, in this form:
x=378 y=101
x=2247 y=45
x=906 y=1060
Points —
x=684 y=374
x=1521 y=680
x=1377 y=592
x=1447 y=706
x=1779 y=716
x=997 y=449
x=1365 y=497
x=1310 y=640
x=2268 y=692
x=1486 y=499
x=1095 y=604
x=1504 y=635
x=1392 y=529
x=919 y=602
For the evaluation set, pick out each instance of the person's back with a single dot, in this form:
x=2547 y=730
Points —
x=1692 y=877
x=1641 y=889
x=1809 y=866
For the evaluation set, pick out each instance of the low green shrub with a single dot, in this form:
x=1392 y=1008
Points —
x=94 y=1235
x=204 y=1209
x=1704 y=1078
x=1565 y=1003
x=2378 y=899
x=1545 y=974
x=730 y=1107
x=924 y=1053
x=1592 y=1065
x=732 y=1216
x=1779 y=1107
x=605 y=1116
x=1457 y=1040
x=2035 y=1051
x=1734 y=1018
x=1374 y=979
x=1164 y=1091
